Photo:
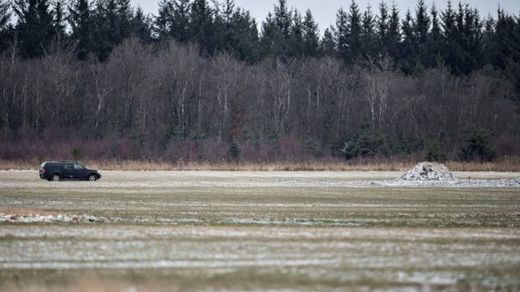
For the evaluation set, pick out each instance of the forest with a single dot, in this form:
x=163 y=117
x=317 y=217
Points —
x=206 y=82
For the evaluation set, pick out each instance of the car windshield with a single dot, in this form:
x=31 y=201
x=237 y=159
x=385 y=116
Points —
x=78 y=166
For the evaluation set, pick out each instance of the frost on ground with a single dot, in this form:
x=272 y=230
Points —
x=244 y=231
x=428 y=171
x=58 y=218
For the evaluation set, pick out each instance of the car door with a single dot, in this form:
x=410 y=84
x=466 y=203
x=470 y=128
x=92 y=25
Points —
x=68 y=171
x=80 y=172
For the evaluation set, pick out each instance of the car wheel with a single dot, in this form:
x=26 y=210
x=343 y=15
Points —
x=92 y=177
x=56 y=177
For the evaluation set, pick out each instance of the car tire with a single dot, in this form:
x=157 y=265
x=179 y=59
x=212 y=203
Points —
x=55 y=177
x=92 y=177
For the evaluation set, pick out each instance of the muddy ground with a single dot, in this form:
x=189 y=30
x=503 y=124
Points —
x=265 y=230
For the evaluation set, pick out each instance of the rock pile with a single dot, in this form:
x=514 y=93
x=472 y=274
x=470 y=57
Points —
x=428 y=171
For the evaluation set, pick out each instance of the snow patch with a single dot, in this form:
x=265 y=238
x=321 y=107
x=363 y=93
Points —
x=57 y=218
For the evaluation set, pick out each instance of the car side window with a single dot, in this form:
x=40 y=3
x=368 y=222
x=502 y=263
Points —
x=78 y=167
x=69 y=166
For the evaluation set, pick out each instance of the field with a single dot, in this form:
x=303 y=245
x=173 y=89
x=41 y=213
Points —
x=256 y=230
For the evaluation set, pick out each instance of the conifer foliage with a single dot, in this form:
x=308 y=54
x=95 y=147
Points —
x=380 y=81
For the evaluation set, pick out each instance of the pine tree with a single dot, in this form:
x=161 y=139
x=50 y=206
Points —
x=82 y=27
x=244 y=36
x=328 y=44
x=268 y=40
x=354 y=32
x=5 y=28
x=34 y=27
x=107 y=32
x=180 y=21
x=434 y=43
x=59 y=23
x=283 y=18
x=5 y=15
x=164 y=19
x=382 y=24
x=201 y=26
x=394 y=34
x=450 y=35
x=408 y=56
x=368 y=35
x=141 y=26
x=421 y=27
x=310 y=36
x=342 y=36
x=125 y=14
x=276 y=32
x=296 y=36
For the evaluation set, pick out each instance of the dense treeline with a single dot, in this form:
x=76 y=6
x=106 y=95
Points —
x=202 y=82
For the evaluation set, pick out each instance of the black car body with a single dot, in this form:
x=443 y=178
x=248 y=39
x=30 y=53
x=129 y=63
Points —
x=67 y=170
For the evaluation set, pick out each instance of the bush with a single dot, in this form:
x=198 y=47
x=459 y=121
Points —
x=77 y=154
x=477 y=148
x=234 y=152
x=367 y=144
x=434 y=151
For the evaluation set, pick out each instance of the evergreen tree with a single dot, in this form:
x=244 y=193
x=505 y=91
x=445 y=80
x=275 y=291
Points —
x=163 y=21
x=269 y=37
x=354 y=32
x=382 y=24
x=5 y=15
x=349 y=33
x=180 y=21
x=141 y=26
x=421 y=27
x=394 y=34
x=125 y=15
x=107 y=32
x=81 y=24
x=244 y=36
x=34 y=28
x=471 y=37
x=283 y=19
x=328 y=44
x=59 y=23
x=506 y=53
x=450 y=35
x=201 y=26
x=489 y=45
x=368 y=35
x=5 y=28
x=342 y=35
x=296 y=36
x=434 y=43
x=276 y=32
x=408 y=56
x=310 y=36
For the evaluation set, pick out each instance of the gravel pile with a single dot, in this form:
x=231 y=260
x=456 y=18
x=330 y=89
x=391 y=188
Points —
x=428 y=171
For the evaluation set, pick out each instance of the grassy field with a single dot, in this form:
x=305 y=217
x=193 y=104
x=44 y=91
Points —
x=257 y=230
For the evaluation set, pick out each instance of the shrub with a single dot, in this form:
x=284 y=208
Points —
x=477 y=147
x=434 y=151
x=234 y=152
x=77 y=154
x=367 y=144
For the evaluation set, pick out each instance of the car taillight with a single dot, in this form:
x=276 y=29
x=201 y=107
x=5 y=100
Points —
x=42 y=170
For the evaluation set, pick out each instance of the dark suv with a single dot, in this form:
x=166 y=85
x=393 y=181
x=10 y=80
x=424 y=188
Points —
x=58 y=170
